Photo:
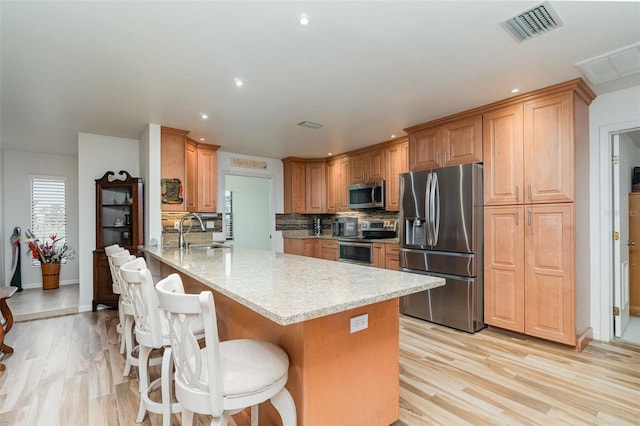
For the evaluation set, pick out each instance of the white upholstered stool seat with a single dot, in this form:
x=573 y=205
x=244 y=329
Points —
x=249 y=367
x=222 y=378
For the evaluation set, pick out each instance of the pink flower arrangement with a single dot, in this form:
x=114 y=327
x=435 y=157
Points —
x=48 y=251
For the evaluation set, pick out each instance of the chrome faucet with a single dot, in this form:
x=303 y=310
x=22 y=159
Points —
x=181 y=242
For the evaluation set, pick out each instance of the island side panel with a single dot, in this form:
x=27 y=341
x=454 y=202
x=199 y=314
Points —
x=334 y=376
x=357 y=374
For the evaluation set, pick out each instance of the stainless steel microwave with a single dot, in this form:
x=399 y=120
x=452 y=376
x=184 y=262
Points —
x=367 y=195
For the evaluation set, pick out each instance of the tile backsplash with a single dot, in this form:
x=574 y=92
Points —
x=170 y=234
x=301 y=225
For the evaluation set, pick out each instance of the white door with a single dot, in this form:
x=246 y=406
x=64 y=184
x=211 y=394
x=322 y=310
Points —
x=620 y=191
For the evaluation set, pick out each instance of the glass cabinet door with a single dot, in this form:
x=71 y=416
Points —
x=117 y=216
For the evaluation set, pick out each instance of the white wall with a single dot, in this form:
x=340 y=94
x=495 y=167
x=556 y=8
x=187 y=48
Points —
x=613 y=112
x=274 y=171
x=150 y=172
x=97 y=154
x=18 y=166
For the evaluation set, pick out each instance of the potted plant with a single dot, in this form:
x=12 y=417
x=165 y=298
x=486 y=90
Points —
x=51 y=253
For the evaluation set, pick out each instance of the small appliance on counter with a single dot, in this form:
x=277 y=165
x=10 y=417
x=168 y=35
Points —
x=344 y=227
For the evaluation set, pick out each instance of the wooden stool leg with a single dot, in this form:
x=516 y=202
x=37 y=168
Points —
x=8 y=316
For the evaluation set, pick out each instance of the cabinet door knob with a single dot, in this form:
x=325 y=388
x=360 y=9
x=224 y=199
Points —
x=631 y=243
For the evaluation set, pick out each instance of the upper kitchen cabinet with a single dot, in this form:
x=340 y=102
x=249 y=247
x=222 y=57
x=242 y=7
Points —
x=397 y=161
x=295 y=171
x=439 y=143
x=315 y=187
x=338 y=180
x=189 y=173
x=304 y=185
x=172 y=168
x=368 y=166
x=530 y=146
x=206 y=190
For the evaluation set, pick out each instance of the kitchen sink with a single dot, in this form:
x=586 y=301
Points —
x=208 y=246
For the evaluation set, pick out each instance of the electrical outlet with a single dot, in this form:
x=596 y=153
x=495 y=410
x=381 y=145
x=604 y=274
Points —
x=176 y=224
x=210 y=224
x=359 y=323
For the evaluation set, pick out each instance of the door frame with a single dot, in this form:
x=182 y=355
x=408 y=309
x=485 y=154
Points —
x=272 y=214
x=603 y=293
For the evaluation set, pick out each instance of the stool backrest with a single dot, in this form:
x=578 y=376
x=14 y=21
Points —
x=110 y=251
x=118 y=260
x=183 y=311
x=144 y=299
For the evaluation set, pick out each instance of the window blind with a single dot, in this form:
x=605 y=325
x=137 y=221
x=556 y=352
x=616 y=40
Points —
x=228 y=215
x=49 y=208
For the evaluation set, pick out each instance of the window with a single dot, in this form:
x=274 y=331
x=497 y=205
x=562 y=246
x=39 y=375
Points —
x=48 y=208
x=228 y=215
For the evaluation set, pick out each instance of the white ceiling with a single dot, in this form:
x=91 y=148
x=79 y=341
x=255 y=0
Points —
x=365 y=70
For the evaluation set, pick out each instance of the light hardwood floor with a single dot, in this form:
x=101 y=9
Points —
x=67 y=370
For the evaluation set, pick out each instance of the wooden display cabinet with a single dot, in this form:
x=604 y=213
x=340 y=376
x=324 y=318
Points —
x=119 y=220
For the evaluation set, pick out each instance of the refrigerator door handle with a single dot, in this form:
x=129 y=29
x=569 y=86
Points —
x=427 y=209
x=435 y=205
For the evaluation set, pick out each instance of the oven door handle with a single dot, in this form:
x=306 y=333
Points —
x=350 y=244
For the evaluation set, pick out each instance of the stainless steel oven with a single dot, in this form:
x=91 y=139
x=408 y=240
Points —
x=355 y=250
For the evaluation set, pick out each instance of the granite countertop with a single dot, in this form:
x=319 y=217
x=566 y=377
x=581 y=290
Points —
x=288 y=289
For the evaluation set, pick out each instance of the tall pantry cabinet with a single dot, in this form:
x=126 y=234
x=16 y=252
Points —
x=536 y=248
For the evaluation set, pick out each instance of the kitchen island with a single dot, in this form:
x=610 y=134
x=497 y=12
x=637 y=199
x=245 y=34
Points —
x=305 y=305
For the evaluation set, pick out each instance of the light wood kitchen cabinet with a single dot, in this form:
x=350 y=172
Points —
x=344 y=180
x=315 y=187
x=329 y=249
x=294 y=185
x=191 y=150
x=529 y=270
x=397 y=162
x=504 y=267
x=456 y=142
x=549 y=272
x=338 y=182
x=195 y=165
x=529 y=152
x=206 y=190
x=536 y=270
x=309 y=247
x=392 y=256
x=201 y=176
x=549 y=149
x=378 y=255
x=368 y=166
x=305 y=184
x=173 y=161
x=333 y=176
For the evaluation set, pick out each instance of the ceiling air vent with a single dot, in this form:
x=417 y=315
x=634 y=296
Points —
x=532 y=22
x=309 y=125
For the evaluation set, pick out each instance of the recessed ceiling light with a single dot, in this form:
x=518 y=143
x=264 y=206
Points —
x=204 y=116
x=515 y=90
x=304 y=20
x=328 y=153
x=201 y=139
x=239 y=82
x=393 y=136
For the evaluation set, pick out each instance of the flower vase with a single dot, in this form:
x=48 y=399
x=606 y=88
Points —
x=50 y=275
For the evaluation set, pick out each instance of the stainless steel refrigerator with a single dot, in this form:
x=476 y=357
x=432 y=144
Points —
x=441 y=221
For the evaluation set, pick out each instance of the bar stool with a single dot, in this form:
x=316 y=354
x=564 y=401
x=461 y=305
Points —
x=125 y=304
x=151 y=333
x=115 y=286
x=222 y=378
